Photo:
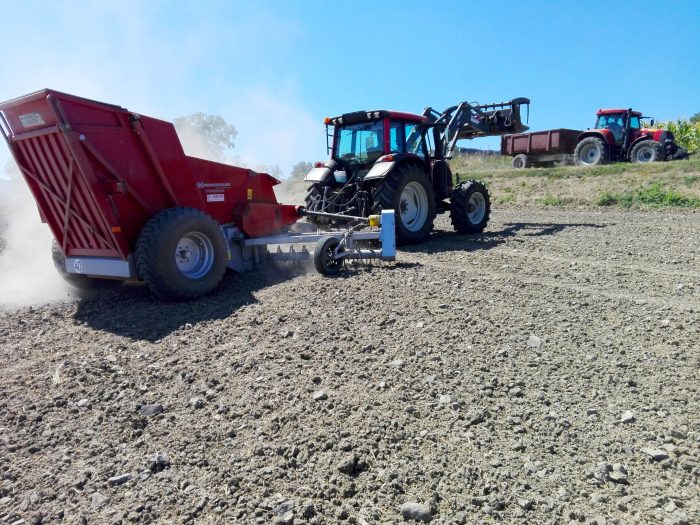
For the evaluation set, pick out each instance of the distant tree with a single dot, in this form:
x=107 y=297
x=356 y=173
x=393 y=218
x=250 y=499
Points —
x=271 y=169
x=299 y=170
x=695 y=118
x=210 y=132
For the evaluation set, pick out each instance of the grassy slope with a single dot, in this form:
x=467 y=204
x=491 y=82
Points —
x=674 y=183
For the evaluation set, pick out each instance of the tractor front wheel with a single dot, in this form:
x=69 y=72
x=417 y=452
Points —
x=181 y=254
x=591 y=151
x=647 y=151
x=470 y=207
x=408 y=192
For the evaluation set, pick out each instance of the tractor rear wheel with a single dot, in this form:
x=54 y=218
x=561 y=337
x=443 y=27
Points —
x=314 y=202
x=647 y=151
x=324 y=260
x=408 y=192
x=522 y=161
x=181 y=254
x=470 y=207
x=591 y=151
x=77 y=280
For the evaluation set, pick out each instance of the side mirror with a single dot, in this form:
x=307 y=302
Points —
x=651 y=123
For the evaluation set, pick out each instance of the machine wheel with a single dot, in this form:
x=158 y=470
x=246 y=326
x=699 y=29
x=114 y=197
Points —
x=591 y=151
x=408 y=191
x=76 y=280
x=312 y=202
x=647 y=151
x=323 y=257
x=181 y=254
x=470 y=207
x=521 y=161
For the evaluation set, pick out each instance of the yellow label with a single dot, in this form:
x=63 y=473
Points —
x=250 y=194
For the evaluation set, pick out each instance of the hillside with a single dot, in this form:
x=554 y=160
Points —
x=624 y=184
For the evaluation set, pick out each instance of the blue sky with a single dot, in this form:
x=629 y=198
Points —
x=275 y=69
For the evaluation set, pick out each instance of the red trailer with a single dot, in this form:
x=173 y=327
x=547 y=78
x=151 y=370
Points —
x=540 y=148
x=124 y=201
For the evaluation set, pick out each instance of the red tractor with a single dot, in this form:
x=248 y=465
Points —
x=384 y=160
x=618 y=136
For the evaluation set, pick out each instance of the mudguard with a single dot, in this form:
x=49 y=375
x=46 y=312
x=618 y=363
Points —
x=379 y=170
x=318 y=174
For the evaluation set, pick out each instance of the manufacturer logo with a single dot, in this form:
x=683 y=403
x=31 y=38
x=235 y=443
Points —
x=78 y=266
x=218 y=185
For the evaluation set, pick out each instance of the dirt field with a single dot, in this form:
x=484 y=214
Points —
x=545 y=372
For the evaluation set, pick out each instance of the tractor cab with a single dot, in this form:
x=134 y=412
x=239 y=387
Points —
x=619 y=122
x=361 y=139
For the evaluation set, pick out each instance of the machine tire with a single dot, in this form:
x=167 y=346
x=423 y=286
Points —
x=591 y=151
x=82 y=282
x=470 y=207
x=521 y=161
x=408 y=191
x=314 y=192
x=647 y=151
x=323 y=257
x=181 y=254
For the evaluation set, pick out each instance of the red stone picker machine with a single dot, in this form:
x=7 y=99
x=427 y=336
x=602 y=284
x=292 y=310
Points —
x=123 y=201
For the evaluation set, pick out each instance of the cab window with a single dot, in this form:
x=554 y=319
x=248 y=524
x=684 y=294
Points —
x=414 y=140
x=634 y=123
x=396 y=137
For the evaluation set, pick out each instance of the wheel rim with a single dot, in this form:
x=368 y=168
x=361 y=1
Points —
x=476 y=208
x=644 y=155
x=590 y=154
x=194 y=255
x=413 y=206
x=518 y=163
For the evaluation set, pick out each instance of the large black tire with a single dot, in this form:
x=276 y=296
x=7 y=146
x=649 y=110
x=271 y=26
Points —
x=522 y=161
x=408 y=192
x=323 y=257
x=470 y=207
x=591 y=151
x=647 y=151
x=82 y=282
x=181 y=254
x=313 y=198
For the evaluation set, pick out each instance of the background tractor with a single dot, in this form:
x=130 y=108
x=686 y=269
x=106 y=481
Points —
x=618 y=136
x=382 y=160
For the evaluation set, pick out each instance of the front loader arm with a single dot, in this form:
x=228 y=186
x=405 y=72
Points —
x=467 y=121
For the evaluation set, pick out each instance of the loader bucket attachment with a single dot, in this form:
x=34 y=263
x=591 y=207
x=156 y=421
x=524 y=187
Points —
x=494 y=119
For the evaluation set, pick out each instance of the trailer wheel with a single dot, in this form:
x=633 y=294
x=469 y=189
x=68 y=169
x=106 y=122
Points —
x=647 y=151
x=408 y=191
x=591 y=151
x=324 y=260
x=470 y=207
x=83 y=282
x=181 y=254
x=521 y=161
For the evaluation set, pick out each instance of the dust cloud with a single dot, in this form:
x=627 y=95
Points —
x=27 y=274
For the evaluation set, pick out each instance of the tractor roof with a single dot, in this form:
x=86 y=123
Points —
x=615 y=110
x=375 y=114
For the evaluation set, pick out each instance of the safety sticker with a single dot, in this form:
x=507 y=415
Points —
x=31 y=119
x=215 y=197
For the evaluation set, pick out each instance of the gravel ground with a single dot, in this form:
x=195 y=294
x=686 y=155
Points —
x=546 y=372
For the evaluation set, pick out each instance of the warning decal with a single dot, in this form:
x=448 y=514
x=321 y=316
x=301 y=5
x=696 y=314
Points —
x=215 y=197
